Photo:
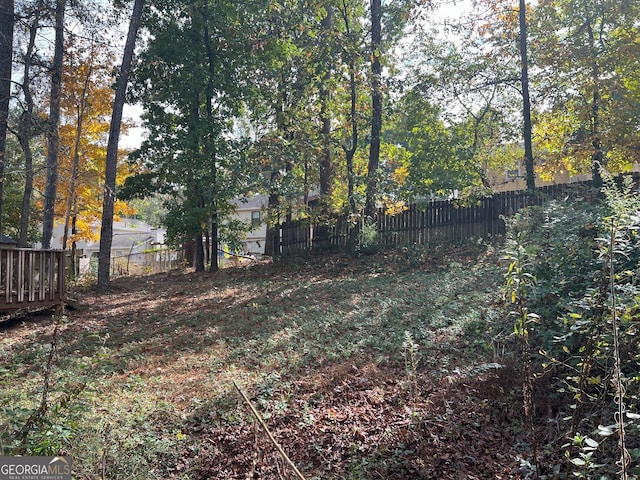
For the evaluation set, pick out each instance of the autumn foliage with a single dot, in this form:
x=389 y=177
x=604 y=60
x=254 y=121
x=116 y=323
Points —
x=87 y=99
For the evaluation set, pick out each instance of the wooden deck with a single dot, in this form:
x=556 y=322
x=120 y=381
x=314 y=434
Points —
x=31 y=278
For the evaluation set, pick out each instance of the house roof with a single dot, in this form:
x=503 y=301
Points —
x=254 y=202
x=128 y=241
x=5 y=240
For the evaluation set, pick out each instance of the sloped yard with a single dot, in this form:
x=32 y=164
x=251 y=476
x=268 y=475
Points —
x=387 y=366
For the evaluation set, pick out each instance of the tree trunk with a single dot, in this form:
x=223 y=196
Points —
x=25 y=207
x=199 y=253
x=106 y=231
x=350 y=145
x=51 y=184
x=376 y=108
x=25 y=132
x=207 y=247
x=188 y=250
x=350 y=151
x=526 y=102
x=598 y=155
x=210 y=145
x=272 y=240
x=75 y=167
x=321 y=232
x=214 y=265
x=325 y=118
x=6 y=57
x=75 y=268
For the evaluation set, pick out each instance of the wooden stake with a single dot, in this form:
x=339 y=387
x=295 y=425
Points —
x=266 y=430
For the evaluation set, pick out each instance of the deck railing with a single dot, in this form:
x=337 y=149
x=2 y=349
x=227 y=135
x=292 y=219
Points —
x=31 y=278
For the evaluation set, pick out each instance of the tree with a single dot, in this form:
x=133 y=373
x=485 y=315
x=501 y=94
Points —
x=87 y=102
x=106 y=230
x=12 y=188
x=191 y=94
x=6 y=63
x=431 y=157
x=325 y=98
x=293 y=108
x=587 y=56
x=376 y=107
x=352 y=59
x=53 y=125
x=465 y=92
x=28 y=126
x=507 y=30
x=394 y=16
x=526 y=102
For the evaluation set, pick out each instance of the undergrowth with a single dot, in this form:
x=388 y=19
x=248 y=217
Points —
x=374 y=366
x=579 y=263
x=367 y=367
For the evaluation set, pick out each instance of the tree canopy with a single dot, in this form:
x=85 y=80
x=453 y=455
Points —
x=322 y=106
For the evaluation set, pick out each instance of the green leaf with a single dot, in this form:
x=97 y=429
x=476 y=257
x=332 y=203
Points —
x=591 y=442
x=594 y=380
x=606 y=431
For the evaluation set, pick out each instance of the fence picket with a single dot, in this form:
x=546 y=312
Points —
x=422 y=225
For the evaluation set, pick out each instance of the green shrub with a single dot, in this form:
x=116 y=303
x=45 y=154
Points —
x=368 y=241
x=584 y=261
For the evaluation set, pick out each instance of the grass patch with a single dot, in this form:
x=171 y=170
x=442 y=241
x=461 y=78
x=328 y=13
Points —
x=315 y=341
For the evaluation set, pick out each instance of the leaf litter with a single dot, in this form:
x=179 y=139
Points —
x=352 y=412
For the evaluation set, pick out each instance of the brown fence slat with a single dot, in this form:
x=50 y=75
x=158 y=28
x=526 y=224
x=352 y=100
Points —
x=62 y=277
x=9 y=278
x=434 y=222
x=31 y=275
x=20 y=275
x=42 y=278
x=51 y=277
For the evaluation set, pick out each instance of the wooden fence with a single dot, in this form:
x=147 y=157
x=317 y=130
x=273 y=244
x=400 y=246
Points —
x=31 y=278
x=430 y=223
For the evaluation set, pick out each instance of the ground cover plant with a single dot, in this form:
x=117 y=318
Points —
x=399 y=364
x=362 y=367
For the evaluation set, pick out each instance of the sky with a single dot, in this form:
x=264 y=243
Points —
x=134 y=136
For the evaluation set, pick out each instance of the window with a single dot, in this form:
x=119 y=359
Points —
x=513 y=174
x=255 y=218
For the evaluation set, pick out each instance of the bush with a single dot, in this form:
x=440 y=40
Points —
x=583 y=261
x=560 y=239
x=368 y=240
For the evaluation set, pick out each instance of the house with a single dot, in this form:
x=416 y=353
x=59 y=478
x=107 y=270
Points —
x=130 y=236
x=252 y=210
x=515 y=179
x=134 y=243
x=7 y=242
